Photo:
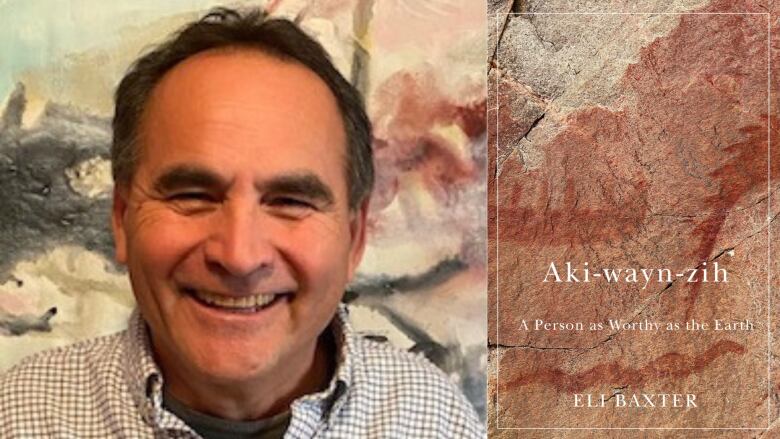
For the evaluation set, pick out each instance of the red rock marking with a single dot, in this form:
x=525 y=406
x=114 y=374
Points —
x=671 y=365
x=576 y=196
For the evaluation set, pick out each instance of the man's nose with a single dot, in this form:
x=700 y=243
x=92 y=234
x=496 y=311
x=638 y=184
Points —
x=240 y=244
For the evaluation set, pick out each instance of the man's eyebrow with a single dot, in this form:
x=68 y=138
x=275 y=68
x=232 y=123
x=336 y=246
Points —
x=184 y=176
x=305 y=184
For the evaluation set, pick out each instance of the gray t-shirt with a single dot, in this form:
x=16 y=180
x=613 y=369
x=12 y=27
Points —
x=211 y=427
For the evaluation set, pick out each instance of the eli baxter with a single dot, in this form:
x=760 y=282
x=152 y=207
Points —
x=636 y=400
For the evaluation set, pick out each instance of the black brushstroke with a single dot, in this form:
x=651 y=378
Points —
x=38 y=209
x=386 y=285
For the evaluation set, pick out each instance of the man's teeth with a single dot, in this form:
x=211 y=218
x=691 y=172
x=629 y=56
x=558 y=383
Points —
x=235 y=302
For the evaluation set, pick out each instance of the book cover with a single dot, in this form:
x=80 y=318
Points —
x=632 y=218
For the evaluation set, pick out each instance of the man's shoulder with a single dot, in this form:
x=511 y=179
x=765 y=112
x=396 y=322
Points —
x=409 y=387
x=64 y=369
x=406 y=374
x=78 y=390
x=385 y=362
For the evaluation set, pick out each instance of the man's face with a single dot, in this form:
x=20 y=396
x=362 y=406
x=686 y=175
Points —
x=236 y=229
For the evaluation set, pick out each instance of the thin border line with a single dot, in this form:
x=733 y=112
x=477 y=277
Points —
x=634 y=428
x=498 y=115
x=636 y=13
x=768 y=220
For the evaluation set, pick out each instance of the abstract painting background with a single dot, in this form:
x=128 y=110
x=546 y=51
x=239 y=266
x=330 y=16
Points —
x=420 y=65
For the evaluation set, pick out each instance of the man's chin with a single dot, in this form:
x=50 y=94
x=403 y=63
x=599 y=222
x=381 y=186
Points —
x=219 y=361
x=236 y=366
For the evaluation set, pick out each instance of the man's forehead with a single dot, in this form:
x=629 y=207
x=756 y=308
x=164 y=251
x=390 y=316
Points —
x=243 y=87
x=245 y=72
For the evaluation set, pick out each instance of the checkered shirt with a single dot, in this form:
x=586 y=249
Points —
x=111 y=387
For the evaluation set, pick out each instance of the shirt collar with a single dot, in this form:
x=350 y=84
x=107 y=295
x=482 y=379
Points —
x=145 y=378
x=142 y=373
x=328 y=401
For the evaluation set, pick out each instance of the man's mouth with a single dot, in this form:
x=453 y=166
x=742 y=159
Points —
x=241 y=304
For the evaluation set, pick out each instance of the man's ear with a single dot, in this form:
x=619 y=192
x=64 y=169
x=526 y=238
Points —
x=357 y=229
x=118 y=210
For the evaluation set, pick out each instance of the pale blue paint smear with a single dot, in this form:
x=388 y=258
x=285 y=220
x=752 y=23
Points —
x=37 y=33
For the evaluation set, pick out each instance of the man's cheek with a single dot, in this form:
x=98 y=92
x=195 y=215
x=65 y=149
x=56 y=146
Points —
x=319 y=257
x=162 y=239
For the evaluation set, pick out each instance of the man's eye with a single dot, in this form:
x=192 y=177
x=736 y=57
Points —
x=291 y=202
x=291 y=207
x=192 y=202
x=191 y=196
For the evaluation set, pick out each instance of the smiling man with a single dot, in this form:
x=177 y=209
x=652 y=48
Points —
x=242 y=163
